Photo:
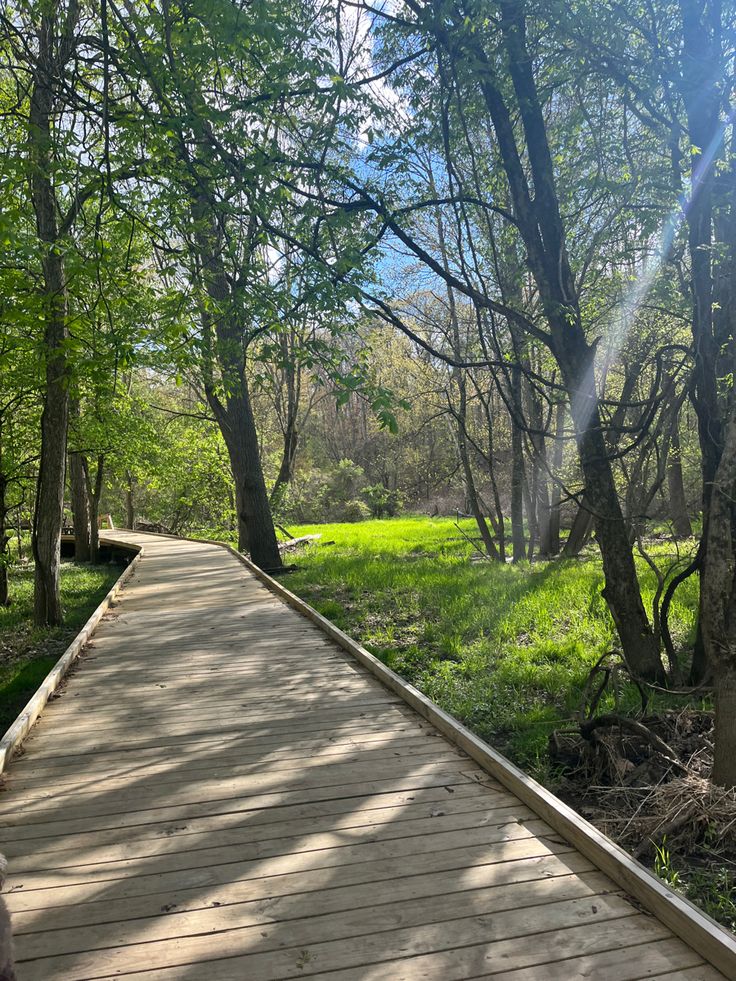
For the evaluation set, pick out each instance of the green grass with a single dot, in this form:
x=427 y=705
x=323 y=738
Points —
x=504 y=648
x=28 y=653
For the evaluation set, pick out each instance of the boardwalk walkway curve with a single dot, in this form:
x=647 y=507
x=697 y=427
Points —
x=222 y=793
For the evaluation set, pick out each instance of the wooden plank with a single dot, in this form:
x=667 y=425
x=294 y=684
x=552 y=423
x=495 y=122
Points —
x=286 y=840
x=219 y=769
x=332 y=955
x=298 y=894
x=244 y=747
x=95 y=948
x=625 y=963
x=259 y=825
x=702 y=973
x=269 y=878
x=262 y=810
x=145 y=792
x=43 y=749
x=67 y=769
x=376 y=721
x=271 y=858
x=603 y=947
x=236 y=715
x=101 y=817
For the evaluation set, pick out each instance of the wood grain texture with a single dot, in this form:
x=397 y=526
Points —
x=223 y=792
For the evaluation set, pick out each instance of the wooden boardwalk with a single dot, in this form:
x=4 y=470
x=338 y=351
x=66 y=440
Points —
x=222 y=794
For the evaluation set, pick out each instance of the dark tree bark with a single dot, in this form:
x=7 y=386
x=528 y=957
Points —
x=470 y=489
x=94 y=495
x=556 y=496
x=4 y=543
x=539 y=491
x=529 y=490
x=288 y=457
x=80 y=507
x=5 y=536
x=702 y=97
x=129 y=500
x=718 y=608
x=518 y=542
x=676 y=486
x=580 y=532
x=711 y=225
x=256 y=532
x=53 y=53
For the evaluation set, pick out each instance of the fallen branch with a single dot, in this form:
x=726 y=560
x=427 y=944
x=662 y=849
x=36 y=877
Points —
x=611 y=721
x=296 y=542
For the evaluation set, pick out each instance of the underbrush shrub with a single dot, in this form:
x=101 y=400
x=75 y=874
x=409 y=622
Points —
x=355 y=510
x=382 y=501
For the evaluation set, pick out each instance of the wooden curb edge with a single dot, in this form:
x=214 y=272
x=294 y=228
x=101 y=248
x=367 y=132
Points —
x=13 y=738
x=714 y=943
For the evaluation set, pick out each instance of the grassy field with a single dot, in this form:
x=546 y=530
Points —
x=504 y=648
x=28 y=653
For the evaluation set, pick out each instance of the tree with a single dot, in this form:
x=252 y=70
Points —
x=484 y=67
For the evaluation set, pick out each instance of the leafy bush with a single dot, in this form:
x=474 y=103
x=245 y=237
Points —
x=355 y=510
x=332 y=496
x=382 y=501
x=344 y=485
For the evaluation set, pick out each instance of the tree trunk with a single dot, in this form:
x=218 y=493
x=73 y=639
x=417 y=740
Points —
x=718 y=606
x=700 y=85
x=676 y=487
x=701 y=70
x=94 y=494
x=556 y=497
x=724 y=766
x=472 y=497
x=540 y=486
x=49 y=511
x=4 y=542
x=49 y=514
x=461 y=419
x=80 y=508
x=622 y=592
x=498 y=523
x=530 y=506
x=580 y=532
x=544 y=515
x=224 y=344
x=288 y=458
x=517 y=473
x=129 y=501
x=256 y=532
